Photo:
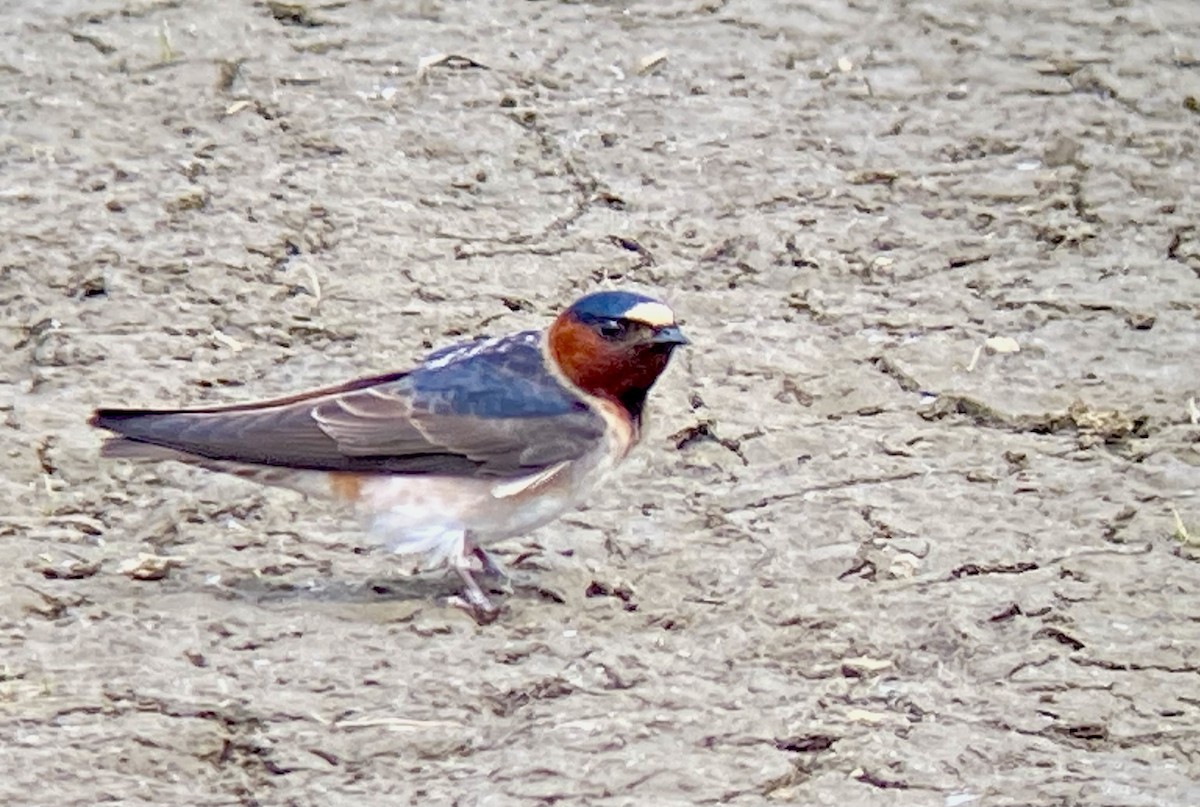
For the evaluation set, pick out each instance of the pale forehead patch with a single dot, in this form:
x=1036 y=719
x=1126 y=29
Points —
x=656 y=315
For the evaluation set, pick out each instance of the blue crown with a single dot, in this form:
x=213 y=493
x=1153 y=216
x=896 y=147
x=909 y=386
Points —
x=607 y=304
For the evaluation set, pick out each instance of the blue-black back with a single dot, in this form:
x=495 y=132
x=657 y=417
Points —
x=498 y=378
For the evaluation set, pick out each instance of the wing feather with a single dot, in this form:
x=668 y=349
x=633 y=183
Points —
x=481 y=409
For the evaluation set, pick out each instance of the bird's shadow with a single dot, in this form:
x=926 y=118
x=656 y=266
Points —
x=433 y=588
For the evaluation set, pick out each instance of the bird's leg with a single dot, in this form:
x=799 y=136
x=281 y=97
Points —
x=473 y=599
x=487 y=564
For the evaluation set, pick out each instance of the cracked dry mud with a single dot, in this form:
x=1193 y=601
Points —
x=861 y=558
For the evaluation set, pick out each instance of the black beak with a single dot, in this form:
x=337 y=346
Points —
x=670 y=335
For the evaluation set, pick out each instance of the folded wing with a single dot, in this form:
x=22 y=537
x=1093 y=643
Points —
x=485 y=409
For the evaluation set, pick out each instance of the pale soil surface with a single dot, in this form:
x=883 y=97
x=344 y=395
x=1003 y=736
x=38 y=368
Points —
x=859 y=558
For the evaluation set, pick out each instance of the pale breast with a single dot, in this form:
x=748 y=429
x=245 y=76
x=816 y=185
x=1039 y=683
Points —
x=406 y=511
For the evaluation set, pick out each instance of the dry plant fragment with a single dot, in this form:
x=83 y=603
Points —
x=227 y=341
x=993 y=344
x=1096 y=426
x=72 y=568
x=96 y=42
x=451 y=60
x=166 y=50
x=649 y=64
x=296 y=14
x=148 y=567
x=1002 y=344
x=1181 y=531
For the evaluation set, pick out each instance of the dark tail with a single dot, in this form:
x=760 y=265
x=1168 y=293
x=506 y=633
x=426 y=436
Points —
x=148 y=425
x=138 y=429
x=121 y=421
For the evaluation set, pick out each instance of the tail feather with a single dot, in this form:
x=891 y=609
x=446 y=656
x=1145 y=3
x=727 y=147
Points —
x=127 y=449
x=266 y=435
x=143 y=434
x=308 y=484
x=128 y=422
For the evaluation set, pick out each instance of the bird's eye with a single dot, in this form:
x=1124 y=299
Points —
x=612 y=329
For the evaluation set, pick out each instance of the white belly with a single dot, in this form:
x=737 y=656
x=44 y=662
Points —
x=433 y=516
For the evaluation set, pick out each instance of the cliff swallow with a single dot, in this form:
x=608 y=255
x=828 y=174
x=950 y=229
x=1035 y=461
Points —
x=482 y=440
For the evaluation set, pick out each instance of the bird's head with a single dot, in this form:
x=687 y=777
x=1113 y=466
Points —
x=615 y=344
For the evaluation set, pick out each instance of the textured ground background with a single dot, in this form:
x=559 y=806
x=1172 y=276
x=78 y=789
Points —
x=856 y=562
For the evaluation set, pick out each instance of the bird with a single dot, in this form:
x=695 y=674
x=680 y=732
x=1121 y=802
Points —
x=482 y=440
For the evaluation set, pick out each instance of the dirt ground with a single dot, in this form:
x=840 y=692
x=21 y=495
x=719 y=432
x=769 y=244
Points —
x=870 y=552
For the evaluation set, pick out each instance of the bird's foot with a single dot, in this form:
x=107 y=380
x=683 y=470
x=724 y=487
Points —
x=474 y=601
x=483 y=615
